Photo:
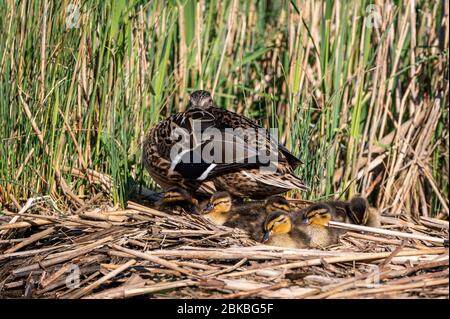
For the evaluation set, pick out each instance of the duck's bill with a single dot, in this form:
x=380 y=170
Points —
x=208 y=208
x=159 y=203
x=266 y=236
x=305 y=220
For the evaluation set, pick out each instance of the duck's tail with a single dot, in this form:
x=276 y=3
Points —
x=285 y=181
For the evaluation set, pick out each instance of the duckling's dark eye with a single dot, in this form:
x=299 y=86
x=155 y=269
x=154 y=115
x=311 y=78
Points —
x=220 y=202
x=271 y=225
x=281 y=219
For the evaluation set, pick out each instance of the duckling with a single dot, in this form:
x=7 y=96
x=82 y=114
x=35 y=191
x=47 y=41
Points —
x=248 y=216
x=276 y=203
x=278 y=230
x=362 y=213
x=298 y=204
x=251 y=216
x=177 y=199
x=372 y=218
x=284 y=229
x=341 y=212
x=356 y=211
x=316 y=218
x=219 y=208
x=240 y=176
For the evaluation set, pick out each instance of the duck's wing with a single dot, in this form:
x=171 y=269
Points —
x=234 y=120
x=285 y=181
x=203 y=146
x=214 y=155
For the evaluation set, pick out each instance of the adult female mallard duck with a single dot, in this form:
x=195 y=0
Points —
x=187 y=150
x=288 y=230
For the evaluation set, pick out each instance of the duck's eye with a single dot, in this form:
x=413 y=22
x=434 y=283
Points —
x=220 y=201
x=270 y=226
x=283 y=207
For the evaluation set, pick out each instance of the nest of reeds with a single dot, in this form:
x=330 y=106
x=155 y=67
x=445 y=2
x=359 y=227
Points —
x=139 y=251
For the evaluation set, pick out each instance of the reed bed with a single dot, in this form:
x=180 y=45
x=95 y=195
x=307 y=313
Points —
x=140 y=251
x=357 y=89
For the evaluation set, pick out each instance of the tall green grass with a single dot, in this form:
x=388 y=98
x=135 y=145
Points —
x=75 y=103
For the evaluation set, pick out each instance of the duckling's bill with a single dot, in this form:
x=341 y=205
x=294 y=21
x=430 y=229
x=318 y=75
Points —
x=208 y=208
x=266 y=236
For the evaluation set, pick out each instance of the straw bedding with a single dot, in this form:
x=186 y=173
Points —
x=102 y=252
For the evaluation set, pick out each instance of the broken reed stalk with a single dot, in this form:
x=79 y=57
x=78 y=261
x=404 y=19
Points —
x=18 y=225
x=387 y=232
x=128 y=292
x=421 y=284
x=350 y=258
x=69 y=256
x=16 y=217
x=154 y=259
x=30 y=240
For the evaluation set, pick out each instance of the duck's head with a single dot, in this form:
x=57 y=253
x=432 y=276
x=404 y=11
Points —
x=276 y=223
x=317 y=214
x=219 y=204
x=359 y=209
x=277 y=204
x=200 y=99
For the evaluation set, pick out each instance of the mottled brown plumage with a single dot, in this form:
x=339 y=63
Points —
x=238 y=172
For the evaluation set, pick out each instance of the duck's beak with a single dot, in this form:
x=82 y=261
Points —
x=159 y=203
x=305 y=220
x=266 y=236
x=208 y=208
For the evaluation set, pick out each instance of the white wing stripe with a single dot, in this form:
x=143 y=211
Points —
x=206 y=172
x=177 y=159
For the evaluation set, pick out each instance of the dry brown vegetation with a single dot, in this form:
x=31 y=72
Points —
x=363 y=103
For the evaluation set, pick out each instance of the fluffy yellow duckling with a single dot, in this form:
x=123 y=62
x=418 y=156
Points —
x=284 y=229
x=219 y=208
